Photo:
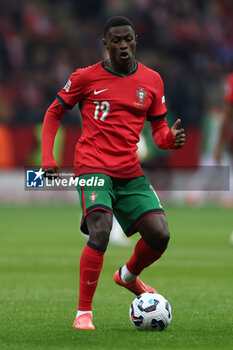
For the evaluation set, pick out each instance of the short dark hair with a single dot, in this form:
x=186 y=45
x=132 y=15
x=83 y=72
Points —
x=117 y=21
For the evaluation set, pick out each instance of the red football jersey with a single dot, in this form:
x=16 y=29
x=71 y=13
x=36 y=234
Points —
x=229 y=89
x=114 y=108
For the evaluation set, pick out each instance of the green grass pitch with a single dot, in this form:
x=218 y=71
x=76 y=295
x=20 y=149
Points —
x=40 y=247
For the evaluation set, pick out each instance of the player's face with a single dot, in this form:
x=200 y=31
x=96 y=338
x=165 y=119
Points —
x=121 y=43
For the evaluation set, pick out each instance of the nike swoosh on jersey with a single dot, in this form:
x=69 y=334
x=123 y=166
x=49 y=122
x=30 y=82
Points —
x=99 y=92
x=88 y=282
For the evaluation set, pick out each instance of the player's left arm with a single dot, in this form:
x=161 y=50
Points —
x=179 y=135
x=165 y=137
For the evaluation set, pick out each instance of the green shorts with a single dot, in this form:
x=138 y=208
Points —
x=130 y=200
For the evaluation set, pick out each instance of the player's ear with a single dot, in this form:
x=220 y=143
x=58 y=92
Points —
x=136 y=38
x=104 y=41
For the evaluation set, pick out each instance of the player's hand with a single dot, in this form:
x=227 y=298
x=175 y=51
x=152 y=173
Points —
x=52 y=173
x=179 y=135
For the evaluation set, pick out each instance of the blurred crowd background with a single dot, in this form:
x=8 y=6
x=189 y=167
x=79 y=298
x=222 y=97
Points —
x=190 y=42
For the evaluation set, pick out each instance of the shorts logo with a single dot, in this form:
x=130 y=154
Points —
x=35 y=178
x=93 y=197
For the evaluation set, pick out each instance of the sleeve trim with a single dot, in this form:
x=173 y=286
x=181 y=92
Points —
x=152 y=118
x=63 y=103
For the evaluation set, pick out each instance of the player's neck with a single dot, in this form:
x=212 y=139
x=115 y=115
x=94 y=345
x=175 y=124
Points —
x=121 y=69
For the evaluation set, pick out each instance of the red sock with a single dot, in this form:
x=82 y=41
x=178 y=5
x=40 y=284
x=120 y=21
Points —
x=91 y=263
x=142 y=257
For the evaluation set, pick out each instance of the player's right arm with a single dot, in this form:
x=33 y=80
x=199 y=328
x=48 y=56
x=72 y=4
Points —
x=51 y=124
x=72 y=93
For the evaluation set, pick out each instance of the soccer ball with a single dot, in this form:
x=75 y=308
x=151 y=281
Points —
x=151 y=312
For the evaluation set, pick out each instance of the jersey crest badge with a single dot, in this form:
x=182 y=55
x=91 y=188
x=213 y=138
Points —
x=93 y=197
x=141 y=94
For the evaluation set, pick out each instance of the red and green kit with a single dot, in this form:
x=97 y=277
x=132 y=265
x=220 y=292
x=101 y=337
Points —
x=131 y=199
x=114 y=108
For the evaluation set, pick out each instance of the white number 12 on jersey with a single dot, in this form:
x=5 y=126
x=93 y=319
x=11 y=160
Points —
x=104 y=106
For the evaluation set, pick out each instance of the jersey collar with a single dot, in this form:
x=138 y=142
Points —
x=120 y=74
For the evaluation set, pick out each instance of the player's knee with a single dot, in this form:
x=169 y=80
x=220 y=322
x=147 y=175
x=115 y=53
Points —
x=163 y=237
x=99 y=238
x=157 y=234
x=159 y=239
x=99 y=227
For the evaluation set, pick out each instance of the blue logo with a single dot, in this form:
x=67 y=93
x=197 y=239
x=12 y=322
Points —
x=35 y=178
